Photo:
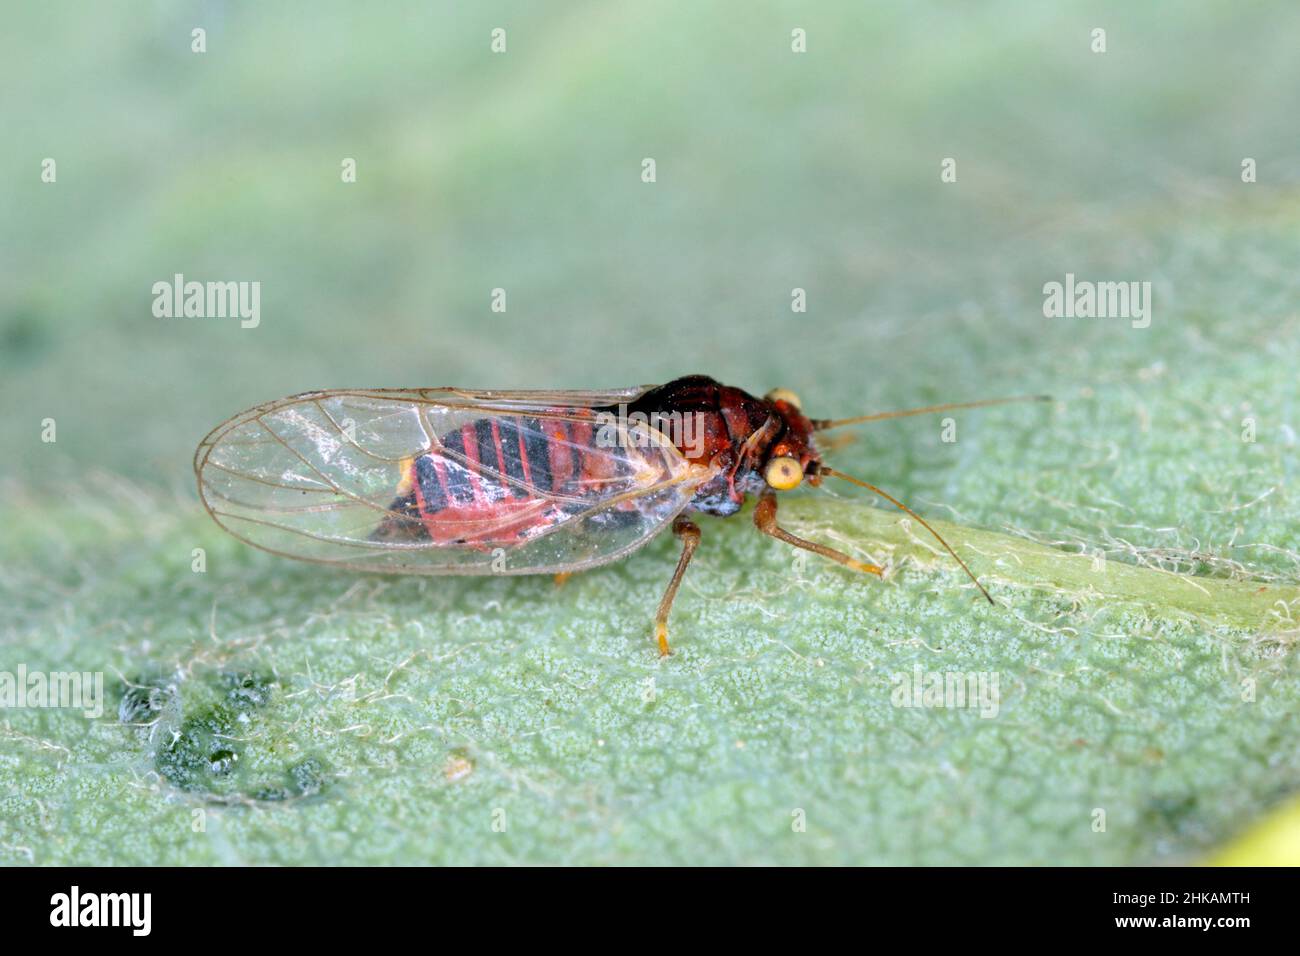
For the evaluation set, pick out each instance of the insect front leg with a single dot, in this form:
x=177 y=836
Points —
x=765 y=521
x=689 y=532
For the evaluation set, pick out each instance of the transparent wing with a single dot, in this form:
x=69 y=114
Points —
x=443 y=481
x=500 y=400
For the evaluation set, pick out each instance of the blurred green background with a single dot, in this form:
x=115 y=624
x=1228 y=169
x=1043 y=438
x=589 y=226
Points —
x=775 y=170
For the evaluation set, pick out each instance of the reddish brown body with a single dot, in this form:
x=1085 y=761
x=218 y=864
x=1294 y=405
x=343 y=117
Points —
x=741 y=433
x=514 y=482
x=733 y=433
x=540 y=458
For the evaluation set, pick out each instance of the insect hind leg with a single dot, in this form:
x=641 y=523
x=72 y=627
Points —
x=689 y=533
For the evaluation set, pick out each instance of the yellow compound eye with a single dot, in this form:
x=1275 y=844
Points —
x=783 y=473
x=784 y=395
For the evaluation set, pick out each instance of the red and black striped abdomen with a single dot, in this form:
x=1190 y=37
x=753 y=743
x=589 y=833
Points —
x=495 y=481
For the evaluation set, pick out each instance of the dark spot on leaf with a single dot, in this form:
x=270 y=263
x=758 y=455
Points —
x=201 y=752
x=141 y=703
x=222 y=761
x=1175 y=814
x=308 y=777
x=25 y=334
x=248 y=690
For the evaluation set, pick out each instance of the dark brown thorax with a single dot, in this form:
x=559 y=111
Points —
x=733 y=432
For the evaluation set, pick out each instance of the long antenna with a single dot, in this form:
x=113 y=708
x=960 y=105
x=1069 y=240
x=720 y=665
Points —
x=821 y=424
x=823 y=470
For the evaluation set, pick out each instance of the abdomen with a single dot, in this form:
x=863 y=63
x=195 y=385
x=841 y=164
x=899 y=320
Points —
x=503 y=480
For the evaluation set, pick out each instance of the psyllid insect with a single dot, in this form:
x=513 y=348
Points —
x=458 y=481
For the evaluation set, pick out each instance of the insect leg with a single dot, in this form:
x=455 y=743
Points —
x=765 y=521
x=689 y=532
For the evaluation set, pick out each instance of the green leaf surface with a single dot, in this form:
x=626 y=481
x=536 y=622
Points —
x=1139 y=533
